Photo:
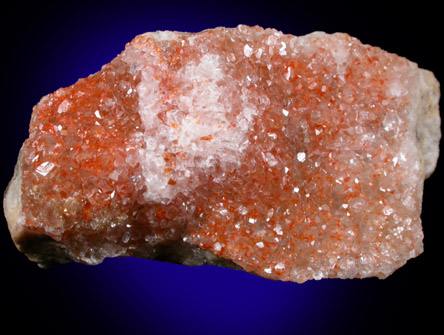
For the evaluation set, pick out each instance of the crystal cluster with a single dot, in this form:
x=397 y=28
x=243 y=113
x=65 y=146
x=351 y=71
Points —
x=293 y=158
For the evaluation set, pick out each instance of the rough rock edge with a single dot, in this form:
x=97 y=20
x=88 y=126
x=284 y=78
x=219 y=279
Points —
x=428 y=131
x=47 y=252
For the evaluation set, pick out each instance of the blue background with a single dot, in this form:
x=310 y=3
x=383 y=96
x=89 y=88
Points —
x=46 y=46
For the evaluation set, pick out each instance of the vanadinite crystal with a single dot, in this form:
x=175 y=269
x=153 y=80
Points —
x=289 y=157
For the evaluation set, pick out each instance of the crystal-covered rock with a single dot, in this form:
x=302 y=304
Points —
x=293 y=158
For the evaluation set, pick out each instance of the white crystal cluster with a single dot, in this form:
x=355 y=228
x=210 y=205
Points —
x=201 y=125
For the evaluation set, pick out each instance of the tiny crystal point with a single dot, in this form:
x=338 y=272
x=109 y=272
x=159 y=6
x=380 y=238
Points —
x=293 y=158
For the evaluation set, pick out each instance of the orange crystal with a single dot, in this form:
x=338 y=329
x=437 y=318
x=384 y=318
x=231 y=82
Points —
x=291 y=157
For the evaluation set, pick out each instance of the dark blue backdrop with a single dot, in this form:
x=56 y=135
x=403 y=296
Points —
x=46 y=46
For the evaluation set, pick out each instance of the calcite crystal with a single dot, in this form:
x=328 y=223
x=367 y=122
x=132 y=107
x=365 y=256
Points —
x=292 y=158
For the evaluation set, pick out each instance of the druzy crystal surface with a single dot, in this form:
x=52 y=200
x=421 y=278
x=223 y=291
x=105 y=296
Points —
x=293 y=158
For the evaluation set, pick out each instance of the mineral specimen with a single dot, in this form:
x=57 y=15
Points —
x=289 y=157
